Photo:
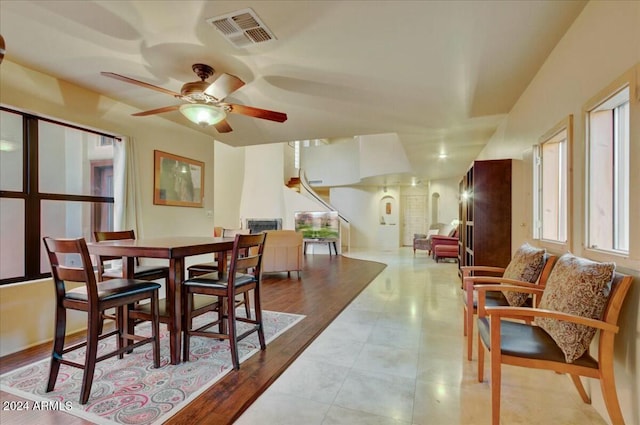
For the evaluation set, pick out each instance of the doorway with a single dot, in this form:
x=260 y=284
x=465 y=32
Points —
x=413 y=217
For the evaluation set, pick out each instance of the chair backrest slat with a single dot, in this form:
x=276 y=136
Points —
x=61 y=272
x=112 y=236
x=246 y=254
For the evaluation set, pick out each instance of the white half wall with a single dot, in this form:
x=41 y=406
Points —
x=262 y=195
x=229 y=177
x=361 y=206
x=335 y=164
x=382 y=154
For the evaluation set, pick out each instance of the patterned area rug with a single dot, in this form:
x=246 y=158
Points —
x=131 y=391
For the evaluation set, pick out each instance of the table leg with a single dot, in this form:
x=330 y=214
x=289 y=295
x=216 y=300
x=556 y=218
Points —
x=221 y=258
x=174 y=305
x=128 y=272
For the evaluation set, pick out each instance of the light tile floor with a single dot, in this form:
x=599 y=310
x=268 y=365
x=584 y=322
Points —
x=395 y=356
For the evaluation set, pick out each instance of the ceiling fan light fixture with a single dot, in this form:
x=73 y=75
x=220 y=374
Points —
x=203 y=114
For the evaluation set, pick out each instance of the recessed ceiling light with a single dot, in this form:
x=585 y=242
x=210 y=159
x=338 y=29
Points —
x=443 y=156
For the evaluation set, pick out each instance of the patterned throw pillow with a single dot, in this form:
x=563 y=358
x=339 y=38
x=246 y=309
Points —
x=577 y=286
x=526 y=266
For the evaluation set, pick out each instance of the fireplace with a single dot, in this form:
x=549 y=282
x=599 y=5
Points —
x=257 y=225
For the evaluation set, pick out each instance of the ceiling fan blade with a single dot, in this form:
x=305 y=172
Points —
x=223 y=127
x=2 y=48
x=223 y=86
x=140 y=83
x=157 y=111
x=257 y=112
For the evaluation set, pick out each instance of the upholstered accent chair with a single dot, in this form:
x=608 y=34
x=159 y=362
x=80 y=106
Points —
x=529 y=267
x=450 y=239
x=282 y=252
x=582 y=298
x=423 y=240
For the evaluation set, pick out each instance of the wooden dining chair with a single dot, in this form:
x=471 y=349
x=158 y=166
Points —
x=204 y=268
x=224 y=287
x=140 y=272
x=581 y=299
x=151 y=272
x=529 y=266
x=70 y=262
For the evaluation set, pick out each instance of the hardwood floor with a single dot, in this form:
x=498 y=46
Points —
x=328 y=285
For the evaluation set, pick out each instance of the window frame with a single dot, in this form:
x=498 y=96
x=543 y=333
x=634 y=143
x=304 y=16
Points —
x=565 y=124
x=33 y=198
x=630 y=259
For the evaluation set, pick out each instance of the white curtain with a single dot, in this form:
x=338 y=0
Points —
x=125 y=187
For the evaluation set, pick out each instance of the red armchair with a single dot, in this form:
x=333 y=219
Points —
x=436 y=240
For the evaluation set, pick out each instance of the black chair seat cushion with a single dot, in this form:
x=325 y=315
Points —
x=529 y=341
x=220 y=280
x=140 y=271
x=114 y=288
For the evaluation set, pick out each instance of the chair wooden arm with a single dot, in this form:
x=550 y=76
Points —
x=519 y=312
x=522 y=287
x=472 y=281
x=467 y=270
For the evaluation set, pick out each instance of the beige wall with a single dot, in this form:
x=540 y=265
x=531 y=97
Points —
x=602 y=44
x=229 y=178
x=28 y=90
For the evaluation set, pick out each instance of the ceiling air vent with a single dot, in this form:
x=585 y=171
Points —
x=242 y=28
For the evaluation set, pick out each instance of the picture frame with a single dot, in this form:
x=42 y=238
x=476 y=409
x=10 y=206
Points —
x=177 y=181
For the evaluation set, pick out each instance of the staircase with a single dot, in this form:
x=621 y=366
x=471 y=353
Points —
x=294 y=183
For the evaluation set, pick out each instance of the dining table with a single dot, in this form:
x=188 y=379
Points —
x=175 y=249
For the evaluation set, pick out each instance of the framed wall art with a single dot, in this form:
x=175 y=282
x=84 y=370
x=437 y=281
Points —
x=178 y=181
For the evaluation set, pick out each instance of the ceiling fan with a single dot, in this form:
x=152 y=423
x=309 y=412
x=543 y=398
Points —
x=204 y=101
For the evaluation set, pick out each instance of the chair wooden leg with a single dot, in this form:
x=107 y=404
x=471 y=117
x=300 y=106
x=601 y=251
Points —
x=155 y=329
x=470 y=335
x=609 y=393
x=469 y=313
x=496 y=371
x=186 y=326
x=464 y=321
x=247 y=305
x=258 y=308
x=222 y=316
x=121 y=325
x=130 y=326
x=93 y=326
x=58 y=346
x=233 y=342
x=102 y=319
x=578 y=384
x=480 y=359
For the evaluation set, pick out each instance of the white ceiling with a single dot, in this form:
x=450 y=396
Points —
x=440 y=74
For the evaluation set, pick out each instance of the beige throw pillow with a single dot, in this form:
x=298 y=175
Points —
x=526 y=265
x=577 y=286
